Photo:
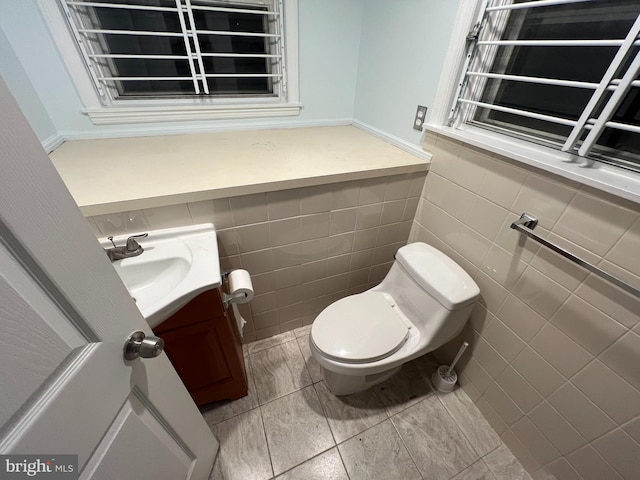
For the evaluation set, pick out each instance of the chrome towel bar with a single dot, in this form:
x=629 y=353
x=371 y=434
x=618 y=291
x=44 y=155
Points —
x=528 y=222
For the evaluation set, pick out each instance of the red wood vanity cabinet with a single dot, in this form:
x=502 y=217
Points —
x=204 y=345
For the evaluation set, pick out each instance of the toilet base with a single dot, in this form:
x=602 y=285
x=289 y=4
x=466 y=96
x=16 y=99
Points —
x=340 y=384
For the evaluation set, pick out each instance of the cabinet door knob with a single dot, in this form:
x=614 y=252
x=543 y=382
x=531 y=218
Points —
x=139 y=345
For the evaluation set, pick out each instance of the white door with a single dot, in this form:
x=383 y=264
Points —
x=65 y=387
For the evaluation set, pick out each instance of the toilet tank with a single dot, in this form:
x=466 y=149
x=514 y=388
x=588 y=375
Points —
x=433 y=291
x=438 y=275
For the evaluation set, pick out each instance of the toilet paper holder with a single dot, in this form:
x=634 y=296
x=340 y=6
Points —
x=235 y=296
x=228 y=299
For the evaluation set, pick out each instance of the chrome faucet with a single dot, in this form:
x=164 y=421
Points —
x=131 y=249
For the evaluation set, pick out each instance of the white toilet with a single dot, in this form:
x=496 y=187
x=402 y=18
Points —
x=422 y=303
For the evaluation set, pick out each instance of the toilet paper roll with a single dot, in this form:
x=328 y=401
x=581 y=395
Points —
x=240 y=283
x=239 y=319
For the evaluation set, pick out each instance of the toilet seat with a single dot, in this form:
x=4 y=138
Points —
x=369 y=325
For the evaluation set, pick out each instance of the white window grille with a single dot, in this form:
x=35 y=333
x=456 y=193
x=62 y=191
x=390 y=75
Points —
x=564 y=73
x=177 y=49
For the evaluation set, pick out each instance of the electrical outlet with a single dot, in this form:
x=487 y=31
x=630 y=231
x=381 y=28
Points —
x=421 y=113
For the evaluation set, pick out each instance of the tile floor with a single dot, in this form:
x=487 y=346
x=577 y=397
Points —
x=291 y=427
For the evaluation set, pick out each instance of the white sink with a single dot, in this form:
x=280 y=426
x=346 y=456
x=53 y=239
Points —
x=176 y=266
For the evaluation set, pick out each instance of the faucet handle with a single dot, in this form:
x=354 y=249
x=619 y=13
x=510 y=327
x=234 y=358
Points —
x=111 y=240
x=132 y=244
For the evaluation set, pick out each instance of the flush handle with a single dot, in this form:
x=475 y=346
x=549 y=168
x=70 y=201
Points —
x=139 y=345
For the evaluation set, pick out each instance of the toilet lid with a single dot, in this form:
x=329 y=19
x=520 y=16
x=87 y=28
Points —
x=360 y=328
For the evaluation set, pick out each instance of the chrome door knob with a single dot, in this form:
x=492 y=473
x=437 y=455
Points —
x=139 y=345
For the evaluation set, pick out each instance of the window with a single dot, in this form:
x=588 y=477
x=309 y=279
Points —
x=155 y=60
x=564 y=73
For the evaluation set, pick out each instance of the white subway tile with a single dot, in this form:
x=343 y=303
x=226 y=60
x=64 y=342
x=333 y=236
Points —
x=345 y=195
x=316 y=199
x=312 y=250
x=253 y=237
x=398 y=187
x=538 y=372
x=314 y=226
x=540 y=292
x=504 y=406
x=285 y=231
x=372 y=191
x=625 y=252
x=491 y=416
x=554 y=426
x=520 y=318
x=611 y=300
x=502 y=182
x=283 y=204
x=621 y=451
x=314 y=270
x=506 y=343
x=544 y=199
x=392 y=212
x=580 y=412
x=537 y=445
x=248 y=209
x=593 y=223
x=562 y=270
x=492 y=294
x=523 y=394
x=587 y=326
x=611 y=393
x=622 y=358
x=633 y=429
x=342 y=221
x=168 y=217
x=340 y=244
x=591 y=466
x=560 y=351
x=502 y=267
x=368 y=216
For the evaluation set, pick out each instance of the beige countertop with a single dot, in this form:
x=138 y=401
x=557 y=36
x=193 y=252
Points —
x=119 y=174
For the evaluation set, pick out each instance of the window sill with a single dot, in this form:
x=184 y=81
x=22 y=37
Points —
x=175 y=113
x=613 y=180
x=101 y=174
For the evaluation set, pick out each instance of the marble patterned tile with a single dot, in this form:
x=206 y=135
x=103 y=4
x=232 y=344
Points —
x=477 y=471
x=314 y=368
x=296 y=429
x=378 y=454
x=504 y=465
x=326 y=466
x=433 y=438
x=407 y=387
x=302 y=332
x=217 y=412
x=350 y=415
x=255 y=347
x=278 y=371
x=243 y=451
x=482 y=437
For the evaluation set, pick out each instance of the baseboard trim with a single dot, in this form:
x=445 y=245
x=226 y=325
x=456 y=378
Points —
x=187 y=129
x=54 y=141
x=393 y=140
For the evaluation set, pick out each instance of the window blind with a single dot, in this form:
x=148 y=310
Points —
x=560 y=72
x=155 y=48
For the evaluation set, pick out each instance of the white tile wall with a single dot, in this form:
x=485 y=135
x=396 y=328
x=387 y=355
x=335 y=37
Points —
x=305 y=247
x=555 y=356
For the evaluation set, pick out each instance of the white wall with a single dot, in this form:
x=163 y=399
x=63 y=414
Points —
x=402 y=49
x=22 y=89
x=328 y=42
x=371 y=60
